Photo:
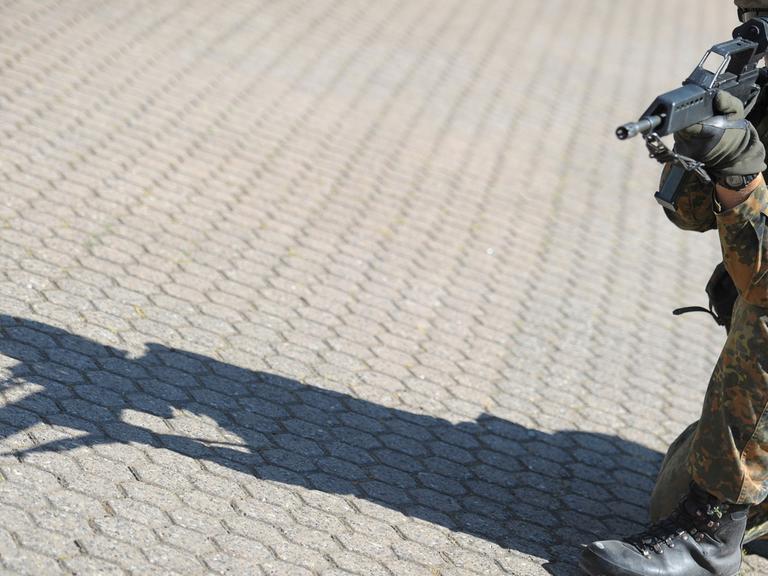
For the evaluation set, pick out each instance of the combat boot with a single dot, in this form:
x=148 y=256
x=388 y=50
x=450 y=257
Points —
x=701 y=538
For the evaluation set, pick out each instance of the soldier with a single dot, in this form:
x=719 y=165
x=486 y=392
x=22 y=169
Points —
x=715 y=475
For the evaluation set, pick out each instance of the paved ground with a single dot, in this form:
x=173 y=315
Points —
x=337 y=286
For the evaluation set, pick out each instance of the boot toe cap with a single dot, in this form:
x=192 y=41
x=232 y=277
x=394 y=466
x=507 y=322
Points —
x=611 y=558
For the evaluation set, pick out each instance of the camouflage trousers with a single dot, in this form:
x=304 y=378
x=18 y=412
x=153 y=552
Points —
x=726 y=451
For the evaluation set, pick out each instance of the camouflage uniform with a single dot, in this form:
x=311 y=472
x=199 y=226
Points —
x=726 y=451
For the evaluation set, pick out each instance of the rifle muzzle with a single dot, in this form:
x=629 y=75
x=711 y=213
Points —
x=632 y=129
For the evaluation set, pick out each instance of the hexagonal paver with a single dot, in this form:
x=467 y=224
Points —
x=336 y=287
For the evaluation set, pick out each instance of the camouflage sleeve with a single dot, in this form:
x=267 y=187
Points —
x=744 y=241
x=695 y=210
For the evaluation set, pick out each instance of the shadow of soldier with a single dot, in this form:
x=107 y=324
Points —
x=535 y=492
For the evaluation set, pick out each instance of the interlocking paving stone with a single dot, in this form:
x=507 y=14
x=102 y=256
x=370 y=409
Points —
x=338 y=287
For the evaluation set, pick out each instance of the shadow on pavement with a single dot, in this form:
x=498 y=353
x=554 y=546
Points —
x=531 y=491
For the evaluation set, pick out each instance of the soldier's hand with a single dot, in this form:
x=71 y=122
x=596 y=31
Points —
x=727 y=144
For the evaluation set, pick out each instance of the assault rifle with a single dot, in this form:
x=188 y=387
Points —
x=731 y=66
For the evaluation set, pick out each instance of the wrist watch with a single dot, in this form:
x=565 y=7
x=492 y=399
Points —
x=736 y=182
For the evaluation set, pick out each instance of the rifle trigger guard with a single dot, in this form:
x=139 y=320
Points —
x=662 y=153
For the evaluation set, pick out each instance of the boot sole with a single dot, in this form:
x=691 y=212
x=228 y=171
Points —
x=590 y=563
x=593 y=565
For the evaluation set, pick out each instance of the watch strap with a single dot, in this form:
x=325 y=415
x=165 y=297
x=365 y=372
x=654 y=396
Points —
x=736 y=182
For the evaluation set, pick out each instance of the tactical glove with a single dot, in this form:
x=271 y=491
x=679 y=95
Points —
x=727 y=144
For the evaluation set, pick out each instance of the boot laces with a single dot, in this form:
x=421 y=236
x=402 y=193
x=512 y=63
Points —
x=680 y=524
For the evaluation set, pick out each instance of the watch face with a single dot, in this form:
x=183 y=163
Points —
x=734 y=181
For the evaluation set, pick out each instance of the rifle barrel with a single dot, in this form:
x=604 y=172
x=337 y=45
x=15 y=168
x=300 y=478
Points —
x=632 y=129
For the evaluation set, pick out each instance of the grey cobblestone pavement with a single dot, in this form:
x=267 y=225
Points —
x=338 y=287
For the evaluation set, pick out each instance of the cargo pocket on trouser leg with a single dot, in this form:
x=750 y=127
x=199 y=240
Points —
x=729 y=456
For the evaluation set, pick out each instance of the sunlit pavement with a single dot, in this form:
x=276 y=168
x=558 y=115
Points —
x=336 y=286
